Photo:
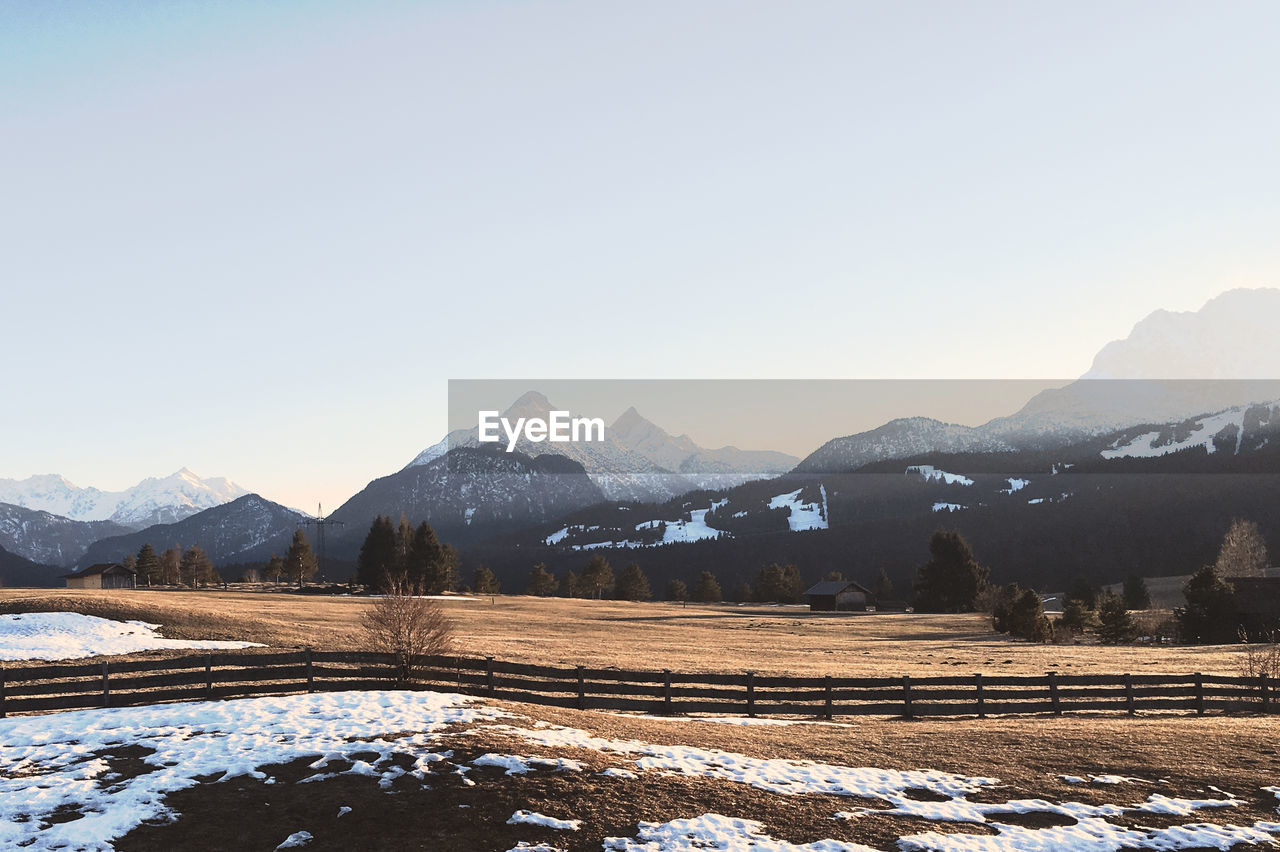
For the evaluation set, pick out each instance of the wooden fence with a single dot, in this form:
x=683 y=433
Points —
x=27 y=689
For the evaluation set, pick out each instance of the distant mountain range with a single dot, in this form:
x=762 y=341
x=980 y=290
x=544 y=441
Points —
x=151 y=501
x=638 y=460
x=248 y=529
x=1142 y=408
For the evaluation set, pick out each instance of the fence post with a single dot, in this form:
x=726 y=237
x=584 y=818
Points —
x=982 y=700
x=751 y=694
x=311 y=680
x=827 y=703
x=1128 y=695
x=488 y=670
x=582 y=690
x=1199 y=694
x=906 y=697
x=1053 y=694
x=208 y=676
x=666 y=691
x=106 y=686
x=397 y=660
x=2 y=708
x=1263 y=684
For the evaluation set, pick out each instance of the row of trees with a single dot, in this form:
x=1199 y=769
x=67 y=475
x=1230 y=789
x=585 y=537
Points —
x=597 y=580
x=393 y=553
x=193 y=567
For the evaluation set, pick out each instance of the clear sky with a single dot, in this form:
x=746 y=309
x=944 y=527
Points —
x=256 y=239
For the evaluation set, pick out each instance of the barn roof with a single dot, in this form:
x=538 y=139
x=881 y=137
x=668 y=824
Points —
x=835 y=587
x=101 y=568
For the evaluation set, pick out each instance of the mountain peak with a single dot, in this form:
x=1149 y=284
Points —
x=1231 y=337
x=530 y=404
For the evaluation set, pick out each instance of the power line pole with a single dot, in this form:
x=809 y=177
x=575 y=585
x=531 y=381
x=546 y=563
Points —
x=320 y=522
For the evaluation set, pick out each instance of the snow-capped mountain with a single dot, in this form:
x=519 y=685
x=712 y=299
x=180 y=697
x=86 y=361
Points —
x=637 y=460
x=1232 y=337
x=48 y=538
x=469 y=493
x=152 y=501
x=246 y=529
x=897 y=439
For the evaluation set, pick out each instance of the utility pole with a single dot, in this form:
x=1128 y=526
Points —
x=320 y=522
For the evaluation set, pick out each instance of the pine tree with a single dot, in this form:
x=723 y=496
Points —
x=1210 y=615
x=171 y=567
x=677 y=591
x=484 y=583
x=1115 y=625
x=1135 y=593
x=1243 y=552
x=570 y=585
x=275 y=568
x=423 y=560
x=952 y=579
x=632 y=584
x=1083 y=592
x=196 y=569
x=597 y=577
x=299 y=561
x=542 y=583
x=376 y=562
x=707 y=589
x=404 y=544
x=148 y=564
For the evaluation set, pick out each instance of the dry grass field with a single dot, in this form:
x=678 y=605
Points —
x=1174 y=755
x=689 y=638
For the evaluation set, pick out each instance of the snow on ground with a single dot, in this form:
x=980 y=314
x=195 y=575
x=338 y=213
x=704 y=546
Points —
x=70 y=635
x=57 y=761
x=1206 y=429
x=947 y=507
x=804 y=516
x=928 y=471
x=523 y=817
x=52 y=764
x=1016 y=484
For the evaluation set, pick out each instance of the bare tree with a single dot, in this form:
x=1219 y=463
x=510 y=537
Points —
x=404 y=622
x=1244 y=552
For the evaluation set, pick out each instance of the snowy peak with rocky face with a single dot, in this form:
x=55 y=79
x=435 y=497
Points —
x=897 y=439
x=1232 y=337
x=637 y=460
x=152 y=501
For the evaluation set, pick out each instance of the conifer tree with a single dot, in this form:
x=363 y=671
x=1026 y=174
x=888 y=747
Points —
x=952 y=579
x=677 y=591
x=195 y=568
x=171 y=567
x=299 y=561
x=1115 y=625
x=275 y=568
x=597 y=577
x=632 y=584
x=707 y=589
x=147 y=564
x=1135 y=593
x=1210 y=615
x=376 y=562
x=570 y=585
x=484 y=582
x=542 y=583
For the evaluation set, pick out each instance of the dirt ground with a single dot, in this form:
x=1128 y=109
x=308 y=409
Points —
x=1176 y=757
x=688 y=638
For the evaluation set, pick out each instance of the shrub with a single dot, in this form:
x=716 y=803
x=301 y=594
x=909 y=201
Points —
x=404 y=622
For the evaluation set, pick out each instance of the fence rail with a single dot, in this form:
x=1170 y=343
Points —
x=28 y=689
